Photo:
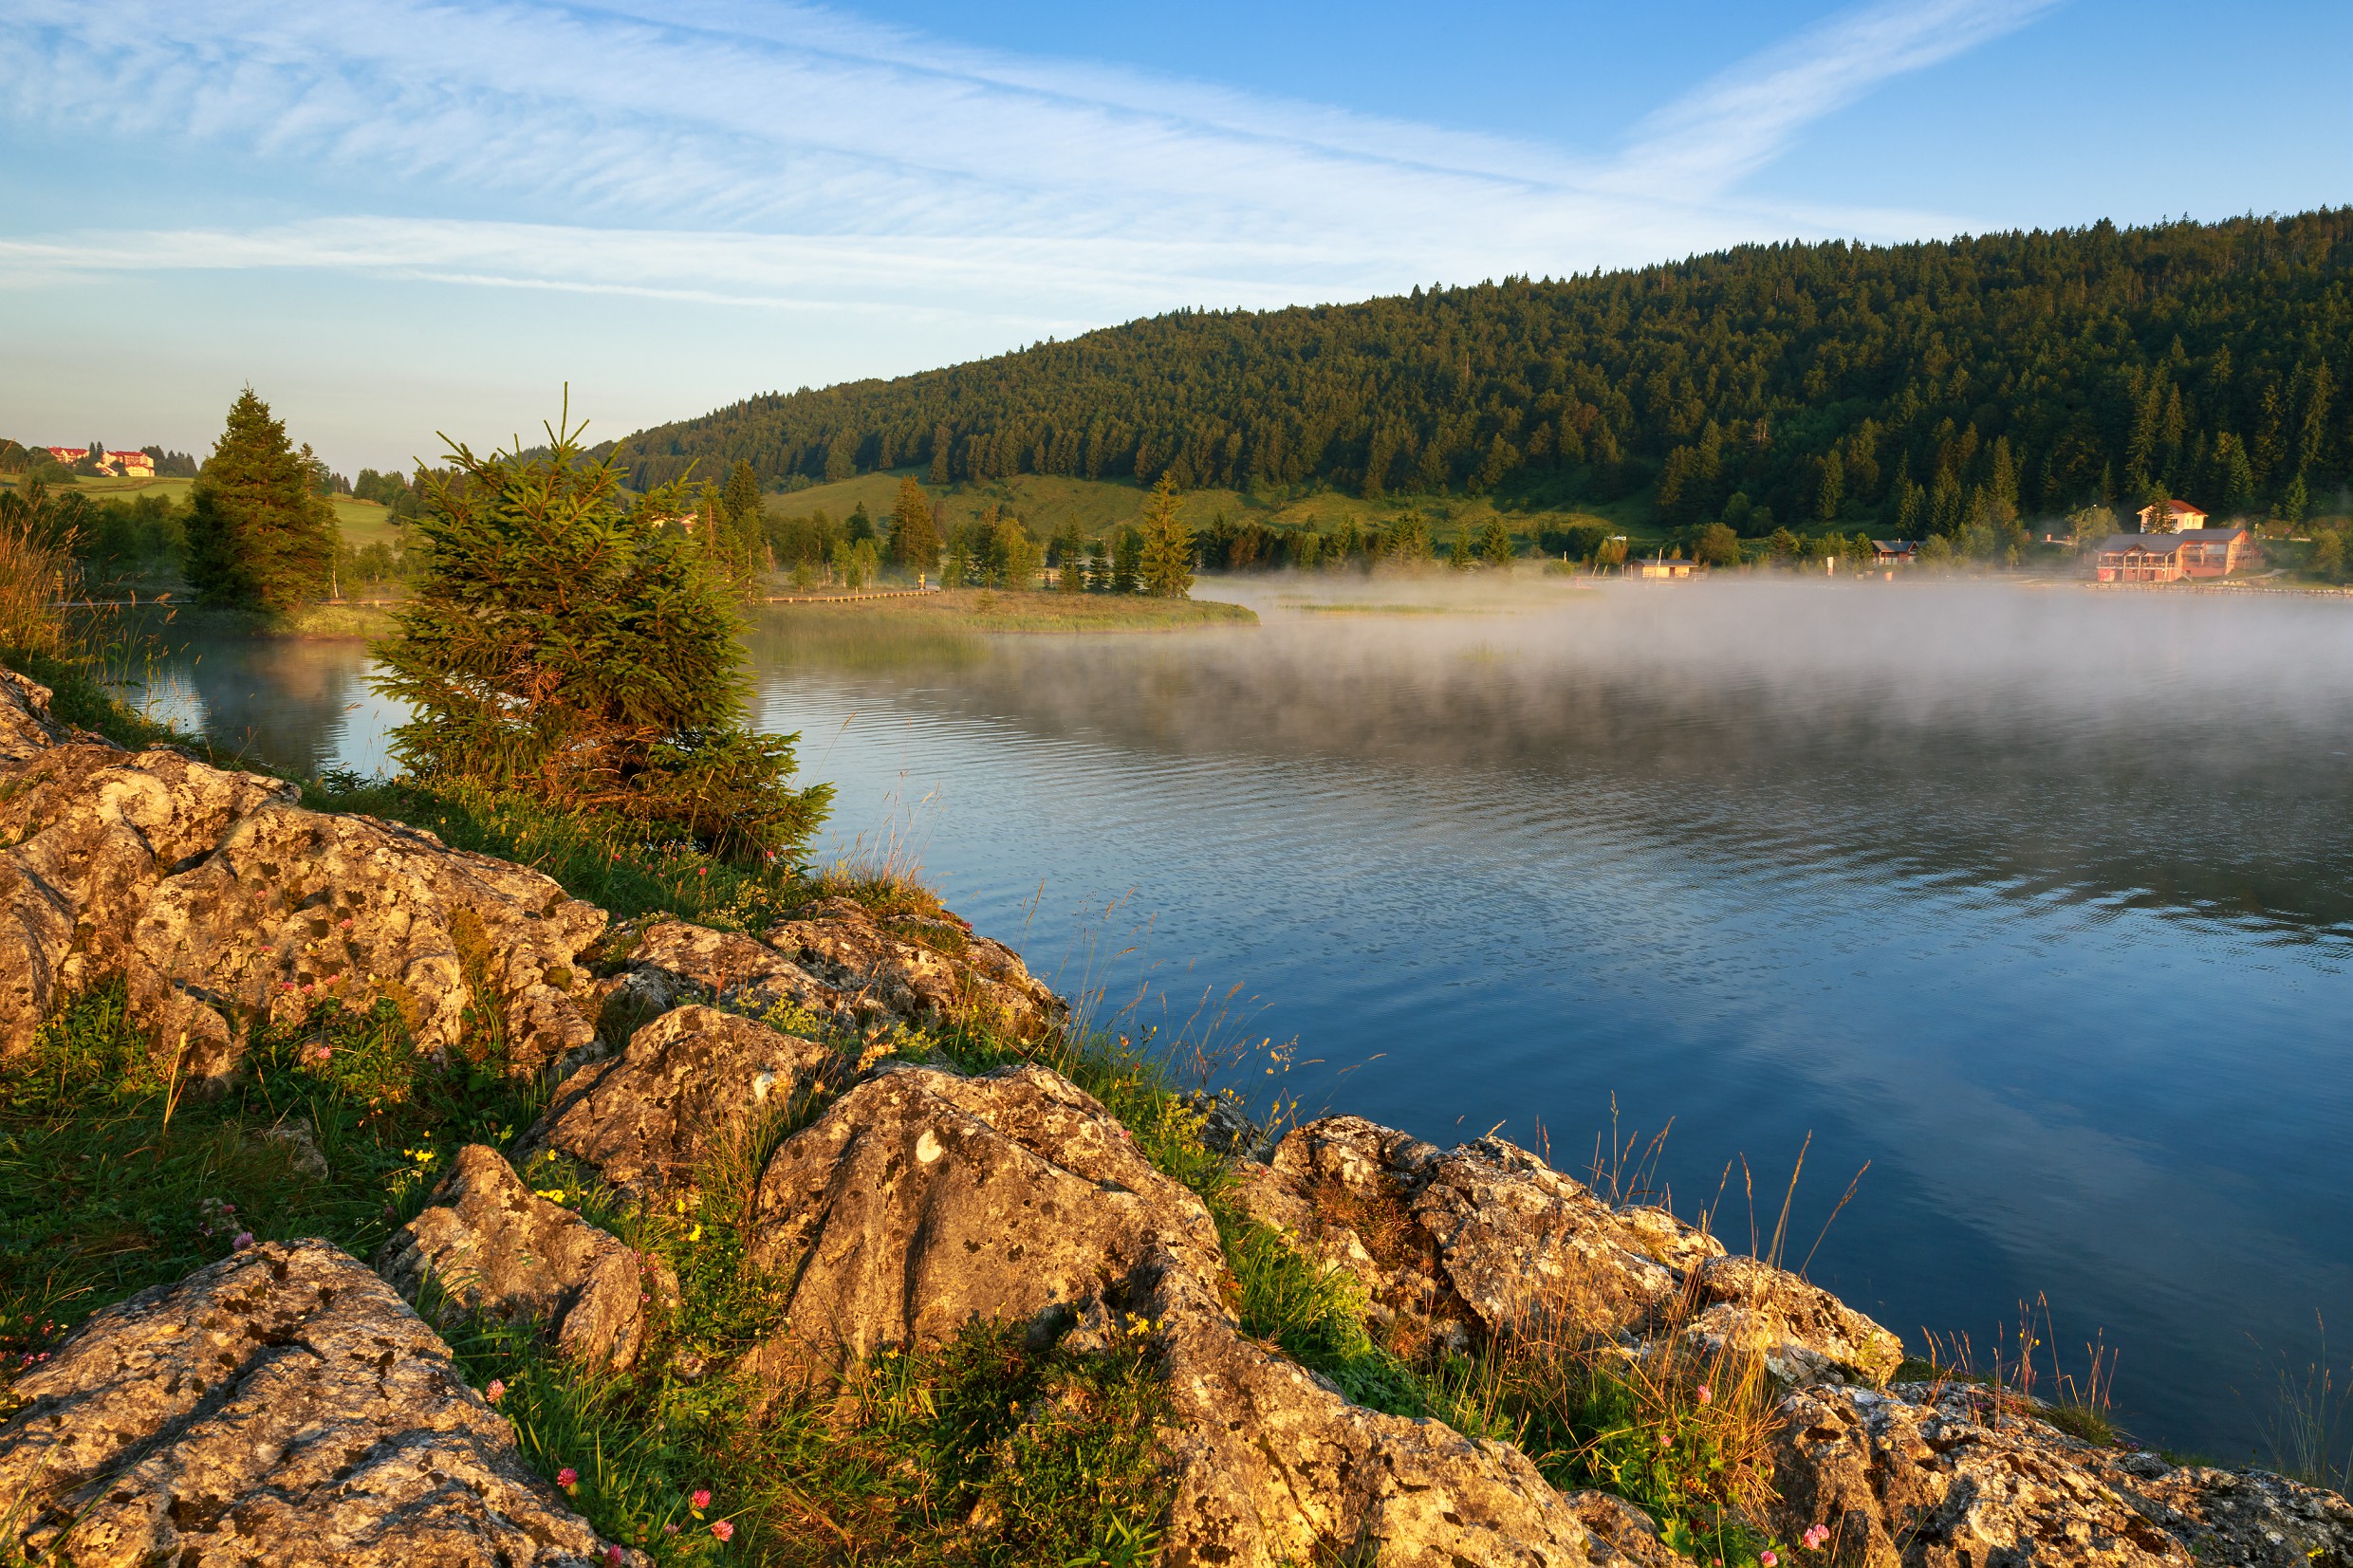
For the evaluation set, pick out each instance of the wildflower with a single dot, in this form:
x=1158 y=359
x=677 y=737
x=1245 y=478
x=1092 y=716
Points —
x=1705 y=1394
x=668 y=1529
x=1767 y=1559
x=1815 y=1536
x=567 y=1478
x=1664 y=1440
x=723 y=1529
x=612 y=1555
x=700 y=1500
x=496 y=1391
x=696 y=1234
x=703 y=871
x=244 y=1239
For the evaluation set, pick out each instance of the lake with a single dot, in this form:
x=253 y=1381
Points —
x=2035 y=907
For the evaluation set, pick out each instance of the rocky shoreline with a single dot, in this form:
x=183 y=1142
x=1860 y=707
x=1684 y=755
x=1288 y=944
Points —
x=293 y=1403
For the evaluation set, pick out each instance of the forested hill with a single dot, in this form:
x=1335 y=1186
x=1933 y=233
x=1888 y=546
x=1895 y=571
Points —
x=1914 y=384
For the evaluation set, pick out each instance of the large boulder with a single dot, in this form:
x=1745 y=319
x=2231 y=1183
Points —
x=923 y=970
x=673 y=962
x=281 y=1406
x=94 y=831
x=490 y=1246
x=295 y=907
x=1456 y=1247
x=921 y=1200
x=1945 y=1476
x=692 y=1085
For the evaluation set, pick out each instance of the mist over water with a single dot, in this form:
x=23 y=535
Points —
x=2040 y=902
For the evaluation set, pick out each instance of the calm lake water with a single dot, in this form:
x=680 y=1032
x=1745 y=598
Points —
x=2038 y=904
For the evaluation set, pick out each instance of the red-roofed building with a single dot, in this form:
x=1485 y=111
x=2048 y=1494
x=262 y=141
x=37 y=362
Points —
x=117 y=465
x=2185 y=517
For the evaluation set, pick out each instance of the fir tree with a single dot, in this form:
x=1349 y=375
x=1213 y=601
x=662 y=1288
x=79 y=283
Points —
x=1495 y=544
x=1099 y=566
x=1167 y=545
x=914 y=539
x=1458 y=555
x=1128 y=561
x=744 y=534
x=586 y=654
x=258 y=536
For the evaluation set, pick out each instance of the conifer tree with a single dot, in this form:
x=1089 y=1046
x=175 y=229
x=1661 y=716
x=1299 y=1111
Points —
x=585 y=654
x=744 y=529
x=914 y=539
x=1167 y=565
x=1458 y=555
x=1495 y=544
x=1128 y=563
x=1099 y=566
x=258 y=536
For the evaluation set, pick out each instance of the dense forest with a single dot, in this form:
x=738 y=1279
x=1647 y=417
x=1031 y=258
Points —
x=1917 y=387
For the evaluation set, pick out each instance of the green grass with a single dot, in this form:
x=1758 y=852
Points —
x=113 y=1179
x=1049 y=503
x=990 y=610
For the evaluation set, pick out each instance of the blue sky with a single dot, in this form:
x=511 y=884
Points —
x=395 y=218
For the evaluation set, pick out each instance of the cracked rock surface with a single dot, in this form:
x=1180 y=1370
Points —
x=281 y=1406
x=1927 y=1476
x=492 y=1246
x=921 y=971
x=923 y=1199
x=691 y=1083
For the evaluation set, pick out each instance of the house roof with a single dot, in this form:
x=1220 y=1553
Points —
x=2166 y=544
x=2180 y=508
x=1895 y=546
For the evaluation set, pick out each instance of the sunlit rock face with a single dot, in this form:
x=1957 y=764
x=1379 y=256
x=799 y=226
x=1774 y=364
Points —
x=930 y=969
x=923 y=1199
x=282 y=1406
x=490 y=1246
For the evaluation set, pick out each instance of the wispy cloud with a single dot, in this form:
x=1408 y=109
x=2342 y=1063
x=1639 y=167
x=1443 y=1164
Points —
x=791 y=154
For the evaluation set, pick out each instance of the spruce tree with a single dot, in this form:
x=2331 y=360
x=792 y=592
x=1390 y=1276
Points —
x=586 y=654
x=914 y=539
x=1167 y=565
x=744 y=529
x=1495 y=544
x=1128 y=563
x=258 y=537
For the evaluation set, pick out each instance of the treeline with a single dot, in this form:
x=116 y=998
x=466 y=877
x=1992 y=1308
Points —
x=1913 y=387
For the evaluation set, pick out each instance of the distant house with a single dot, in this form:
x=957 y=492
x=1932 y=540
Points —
x=118 y=465
x=2186 y=517
x=1660 y=568
x=1895 y=552
x=2171 y=557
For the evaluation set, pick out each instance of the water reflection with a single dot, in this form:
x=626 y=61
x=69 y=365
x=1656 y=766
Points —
x=2041 y=905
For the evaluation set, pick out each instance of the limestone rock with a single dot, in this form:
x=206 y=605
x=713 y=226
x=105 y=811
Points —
x=921 y=971
x=921 y=1200
x=1805 y=1334
x=493 y=1247
x=297 y=906
x=281 y=1406
x=94 y=830
x=690 y=1081
x=2249 y=1517
x=671 y=962
x=1937 y=1483
x=27 y=726
x=1453 y=1247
